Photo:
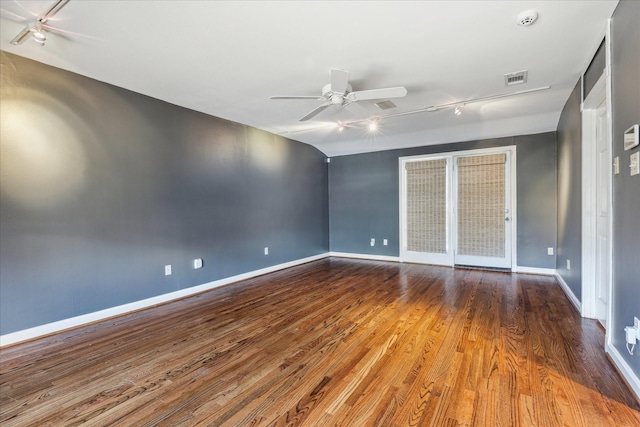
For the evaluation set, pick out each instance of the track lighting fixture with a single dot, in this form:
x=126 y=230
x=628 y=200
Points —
x=457 y=106
x=39 y=36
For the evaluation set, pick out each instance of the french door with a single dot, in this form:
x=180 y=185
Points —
x=457 y=209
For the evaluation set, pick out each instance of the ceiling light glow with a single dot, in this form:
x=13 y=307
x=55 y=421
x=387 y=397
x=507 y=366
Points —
x=458 y=110
x=373 y=126
x=39 y=36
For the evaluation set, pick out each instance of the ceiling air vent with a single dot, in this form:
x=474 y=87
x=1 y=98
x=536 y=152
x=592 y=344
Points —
x=385 y=105
x=518 y=78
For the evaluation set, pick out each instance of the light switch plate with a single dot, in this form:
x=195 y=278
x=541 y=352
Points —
x=634 y=163
x=616 y=165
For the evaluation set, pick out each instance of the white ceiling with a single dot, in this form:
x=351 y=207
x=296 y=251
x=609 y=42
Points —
x=226 y=58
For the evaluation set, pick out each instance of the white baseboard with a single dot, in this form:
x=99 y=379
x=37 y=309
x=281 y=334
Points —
x=73 y=322
x=365 y=256
x=567 y=291
x=535 y=270
x=625 y=370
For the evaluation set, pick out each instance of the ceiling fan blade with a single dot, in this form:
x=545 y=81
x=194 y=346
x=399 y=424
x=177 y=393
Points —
x=339 y=80
x=315 y=112
x=386 y=93
x=52 y=10
x=22 y=36
x=319 y=98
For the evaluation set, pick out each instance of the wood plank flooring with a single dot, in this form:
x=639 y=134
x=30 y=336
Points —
x=333 y=342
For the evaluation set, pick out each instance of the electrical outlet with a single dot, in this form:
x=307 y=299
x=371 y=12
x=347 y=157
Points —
x=373 y=242
x=631 y=335
x=385 y=242
x=266 y=251
x=197 y=263
x=568 y=264
x=167 y=270
x=549 y=251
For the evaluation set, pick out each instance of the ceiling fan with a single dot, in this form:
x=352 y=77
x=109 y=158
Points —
x=339 y=93
x=35 y=28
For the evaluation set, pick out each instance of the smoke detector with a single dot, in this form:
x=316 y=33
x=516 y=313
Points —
x=528 y=17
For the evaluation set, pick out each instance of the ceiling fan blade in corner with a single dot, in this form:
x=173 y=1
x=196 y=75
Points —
x=339 y=80
x=314 y=112
x=319 y=98
x=386 y=93
x=22 y=36
x=52 y=10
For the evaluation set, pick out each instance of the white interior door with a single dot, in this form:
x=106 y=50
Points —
x=603 y=208
x=483 y=210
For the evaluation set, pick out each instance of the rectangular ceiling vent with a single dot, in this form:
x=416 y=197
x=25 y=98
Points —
x=517 y=78
x=385 y=105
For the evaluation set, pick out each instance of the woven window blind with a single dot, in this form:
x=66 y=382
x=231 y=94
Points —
x=427 y=206
x=481 y=209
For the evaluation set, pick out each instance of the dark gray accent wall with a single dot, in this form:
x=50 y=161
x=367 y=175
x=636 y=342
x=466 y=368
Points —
x=364 y=197
x=595 y=69
x=101 y=187
x=625 y=78
x=570 y=193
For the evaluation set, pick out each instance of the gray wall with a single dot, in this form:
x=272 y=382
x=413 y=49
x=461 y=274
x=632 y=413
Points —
x=595 y=69
x=570 y=193
x=101 y=187
x=625 y=56
x=364 y=193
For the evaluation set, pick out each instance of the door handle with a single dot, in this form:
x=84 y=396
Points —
x=507 y=219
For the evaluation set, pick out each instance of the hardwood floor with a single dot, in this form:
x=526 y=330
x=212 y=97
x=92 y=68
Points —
x=333 y=342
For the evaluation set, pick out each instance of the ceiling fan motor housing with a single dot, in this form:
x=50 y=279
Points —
x=335 y=98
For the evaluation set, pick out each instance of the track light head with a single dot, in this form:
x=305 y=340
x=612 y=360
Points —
x=39 y=36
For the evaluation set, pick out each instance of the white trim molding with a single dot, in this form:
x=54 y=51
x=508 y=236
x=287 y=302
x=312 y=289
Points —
x=535 y=270
x=567 y=291
x=365 y=256
x=74 y=322
x=630 y=377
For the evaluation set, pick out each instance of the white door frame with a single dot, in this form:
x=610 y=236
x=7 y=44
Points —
x=600 y=92
x=511 y=149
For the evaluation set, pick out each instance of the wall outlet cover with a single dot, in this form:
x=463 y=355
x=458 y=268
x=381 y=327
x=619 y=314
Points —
x=167 y=270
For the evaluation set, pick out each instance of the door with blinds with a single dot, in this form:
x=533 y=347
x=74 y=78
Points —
x=457 y=209
x=426 y=216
